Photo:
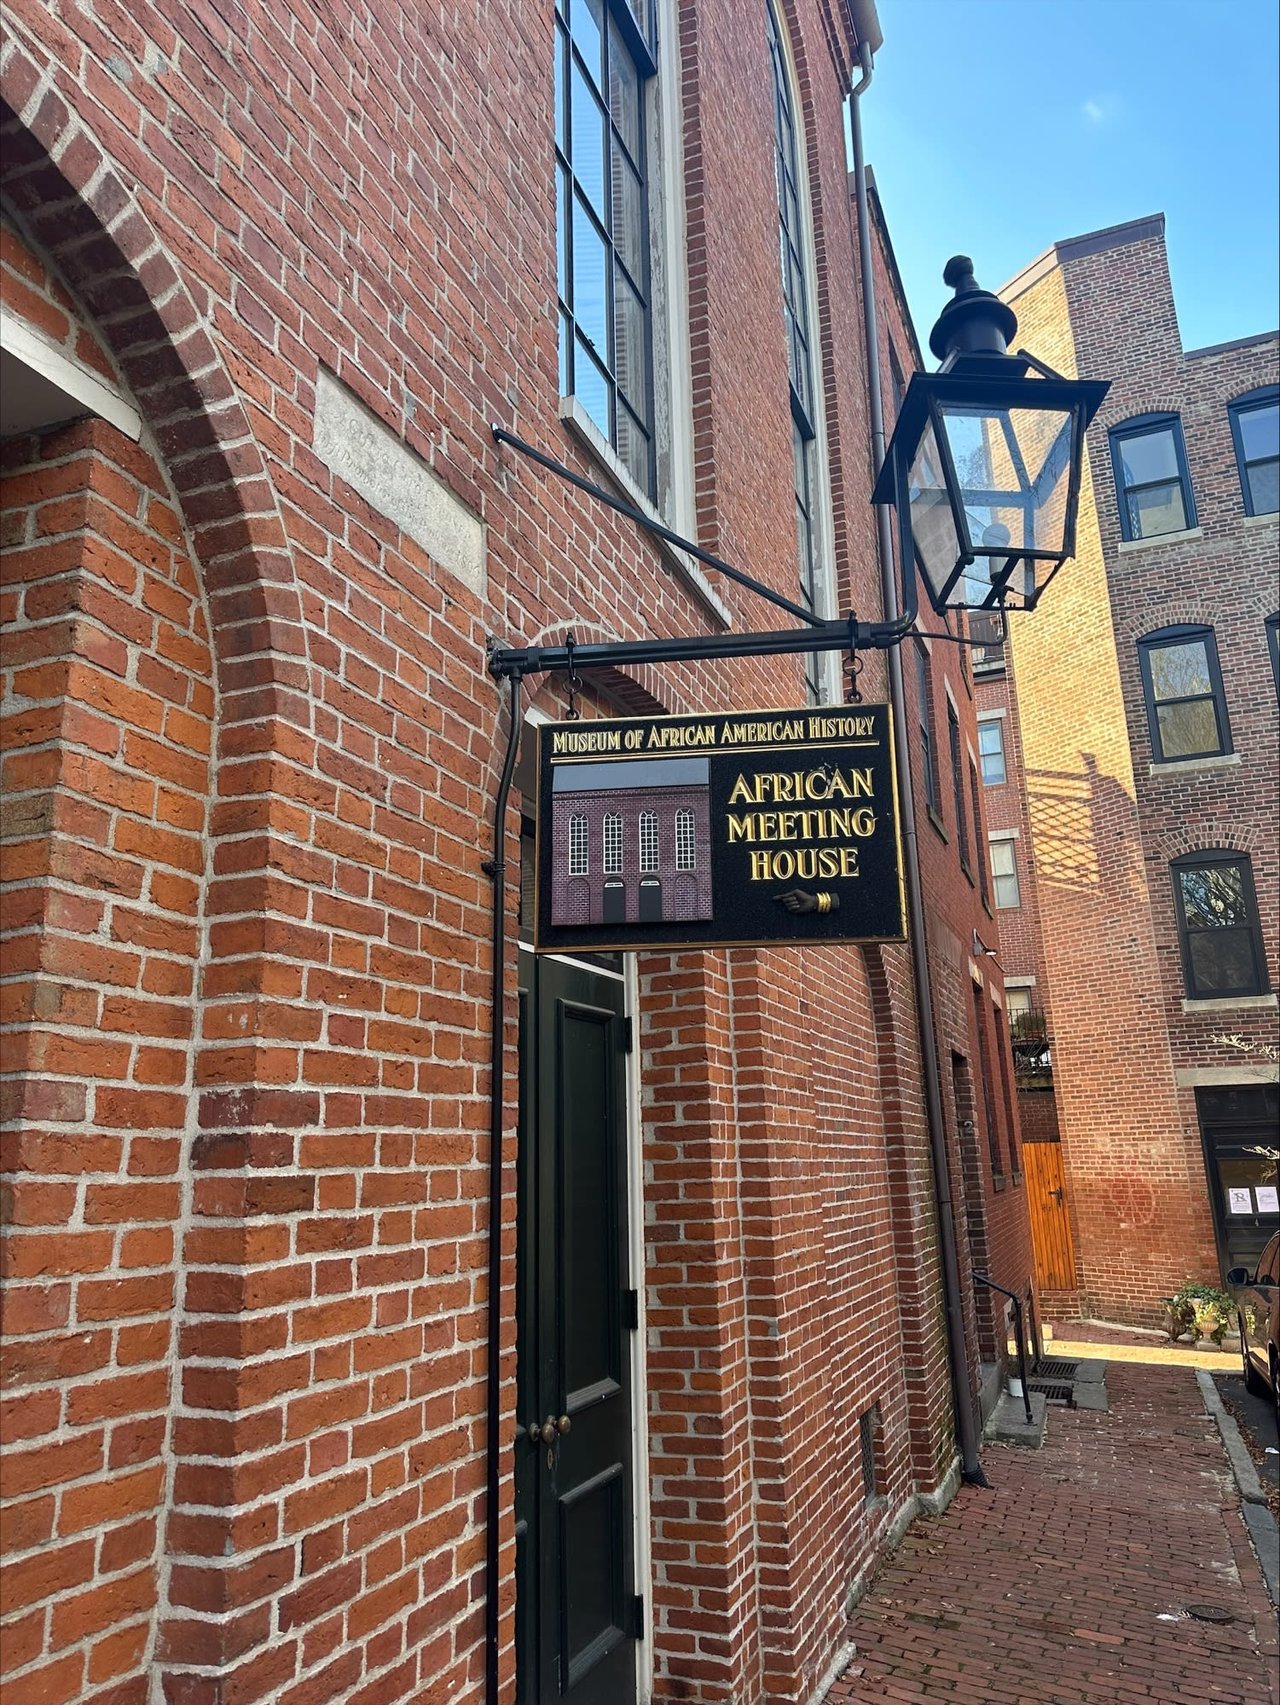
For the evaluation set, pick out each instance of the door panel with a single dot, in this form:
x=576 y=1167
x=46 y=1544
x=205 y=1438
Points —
x=1050 y=1219
x=574 y=1481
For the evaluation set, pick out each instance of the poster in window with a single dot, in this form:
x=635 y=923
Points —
x=744 y=829
x=1239 y=1201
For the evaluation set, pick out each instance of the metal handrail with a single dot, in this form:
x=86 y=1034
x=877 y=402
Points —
x=1016 y=1300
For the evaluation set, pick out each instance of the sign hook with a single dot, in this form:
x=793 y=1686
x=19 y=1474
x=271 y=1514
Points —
x=853 y=665
x=575 y=680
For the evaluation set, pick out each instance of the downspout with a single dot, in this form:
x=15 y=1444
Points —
x=962 y=1401
x=496 y=869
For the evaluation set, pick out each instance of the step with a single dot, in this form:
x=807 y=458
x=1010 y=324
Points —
x=1008 y=1423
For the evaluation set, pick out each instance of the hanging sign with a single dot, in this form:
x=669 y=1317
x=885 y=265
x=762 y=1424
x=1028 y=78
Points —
x=750 y=829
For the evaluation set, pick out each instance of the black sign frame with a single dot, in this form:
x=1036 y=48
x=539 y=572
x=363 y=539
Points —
x=734 y=829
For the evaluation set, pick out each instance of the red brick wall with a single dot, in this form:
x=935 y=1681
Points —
x=1104 y=821
x=239 y=199
x=107 y=736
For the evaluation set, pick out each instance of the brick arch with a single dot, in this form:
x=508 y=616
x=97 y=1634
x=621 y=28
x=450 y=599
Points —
x=62 y=184
x=1181 y=617
x=1122 y=412
x=1205 y=838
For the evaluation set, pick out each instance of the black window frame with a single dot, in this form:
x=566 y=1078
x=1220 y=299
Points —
x=1262 y=397
x=990 y=1114
x=620 y=20
x=1145 y=426
x=1251 y=928
x=1160 y=639
x=957 y=790
x=979 y=851
x=1272 y=625
x=928 y=739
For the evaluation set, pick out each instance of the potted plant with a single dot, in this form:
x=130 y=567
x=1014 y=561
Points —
x=1209 y=1311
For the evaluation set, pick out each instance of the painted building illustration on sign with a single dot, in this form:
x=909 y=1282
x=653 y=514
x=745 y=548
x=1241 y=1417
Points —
x=630 y=842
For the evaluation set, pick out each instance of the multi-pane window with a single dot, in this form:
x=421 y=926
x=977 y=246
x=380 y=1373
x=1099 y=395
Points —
x=1255 y=430
x=648 y=841
x=1218 y=925
x=1004 y=872
x=579 y=859
x=605 y=51
x=791 y=245
x=1153 y=485
x=928 y=756
x=612 y=829
x=979 y=851
x=991 y=750
x=957 y=788
x=686 y=853
x=897 y=384
x=1017 y=1003
x=1182 y=684
x=984 y=1072
x=1006 y=1090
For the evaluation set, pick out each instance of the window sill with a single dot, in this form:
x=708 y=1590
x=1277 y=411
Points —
x=936 y=819
x=1017 y=1180
x=1230 y=1003
x=1189 y=766
x=999 y=1182
x=589 y=437
x=1183 y=538
x=1268 y=520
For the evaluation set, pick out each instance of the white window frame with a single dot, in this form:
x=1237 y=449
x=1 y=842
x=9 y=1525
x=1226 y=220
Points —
x=826 y=664
x=579 y=845
x=996 y=842
x=650 y=843
x=611 y=844
x=686 y=841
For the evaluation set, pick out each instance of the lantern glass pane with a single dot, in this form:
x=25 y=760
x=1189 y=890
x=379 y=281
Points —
x=1013 y=466
x=933 y=525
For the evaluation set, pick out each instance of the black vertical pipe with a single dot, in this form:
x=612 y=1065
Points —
x=957 y=1343
x=497 y=869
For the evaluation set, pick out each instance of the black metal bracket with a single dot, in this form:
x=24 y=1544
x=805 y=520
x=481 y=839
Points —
x=652 y=525
x=507 y=661
x=842 y=633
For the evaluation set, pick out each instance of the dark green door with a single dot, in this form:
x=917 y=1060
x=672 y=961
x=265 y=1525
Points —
x=577 y=1618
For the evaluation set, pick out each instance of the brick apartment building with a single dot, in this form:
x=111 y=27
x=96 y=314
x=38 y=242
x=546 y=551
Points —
x=1129 y=744
x=269 y=276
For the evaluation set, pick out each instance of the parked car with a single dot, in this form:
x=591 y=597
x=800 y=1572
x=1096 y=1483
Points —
x=1260 y=1293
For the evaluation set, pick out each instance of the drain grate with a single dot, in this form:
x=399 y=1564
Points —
x=1210 y=1613
x=1055 y=1367
x=1055 y=1390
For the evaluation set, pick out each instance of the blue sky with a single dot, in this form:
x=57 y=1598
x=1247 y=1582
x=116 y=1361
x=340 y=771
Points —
x=996 y=127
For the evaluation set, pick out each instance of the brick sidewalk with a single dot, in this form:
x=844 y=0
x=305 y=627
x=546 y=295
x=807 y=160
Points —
x=1047 y=1590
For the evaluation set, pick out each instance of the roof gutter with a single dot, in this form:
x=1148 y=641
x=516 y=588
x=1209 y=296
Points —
x=869 y=39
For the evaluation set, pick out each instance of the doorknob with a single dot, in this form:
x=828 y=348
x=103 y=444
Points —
x=550 y=1430
x=1057 y=1195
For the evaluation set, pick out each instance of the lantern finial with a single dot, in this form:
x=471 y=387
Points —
x=974 y=322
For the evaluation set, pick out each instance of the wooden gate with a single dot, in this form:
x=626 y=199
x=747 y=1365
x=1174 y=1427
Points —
x=1050 y=1221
